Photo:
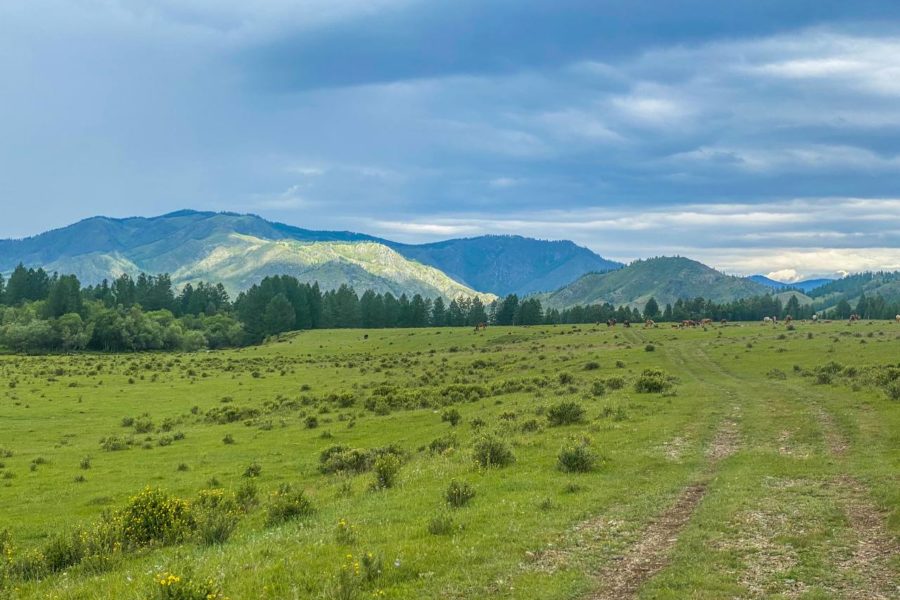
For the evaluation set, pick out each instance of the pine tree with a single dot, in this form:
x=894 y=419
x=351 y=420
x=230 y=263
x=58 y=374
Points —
x=438 y=313
x=279 y=315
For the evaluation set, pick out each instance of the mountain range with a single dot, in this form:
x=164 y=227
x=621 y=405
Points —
x=238 y=250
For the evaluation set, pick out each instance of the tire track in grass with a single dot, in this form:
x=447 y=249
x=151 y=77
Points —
x=869 y=566
x=650 y=554
x=867 y=572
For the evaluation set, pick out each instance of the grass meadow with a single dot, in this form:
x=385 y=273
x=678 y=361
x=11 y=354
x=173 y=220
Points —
x=547 y=462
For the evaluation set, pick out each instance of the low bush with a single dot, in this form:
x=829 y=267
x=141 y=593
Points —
x=154 y=517
x=565 y=413
x=615 y=383
x=216 y=515
x=441 y=524
x=491 y=451
x=387 y=468
x=576 y=456
x=287 y=504
x=652 y=381
x=185 y=587
x=442 y=444
x=459 y=494
x=451 y=416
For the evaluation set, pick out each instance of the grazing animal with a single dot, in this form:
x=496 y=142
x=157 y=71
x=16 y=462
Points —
x=854 y=318
x=626 y=323
x=815 y=318
x=897 y=318
x=767 y=320
x=480 y=327
x=706 y=322
x=724 y=321
x=788 y=319
x=610 y=322
x=649 y=323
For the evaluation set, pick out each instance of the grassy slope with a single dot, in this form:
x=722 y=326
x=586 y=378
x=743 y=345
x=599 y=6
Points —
x=239 y=261
x=516 y=539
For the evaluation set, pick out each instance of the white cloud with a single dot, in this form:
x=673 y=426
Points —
x=785 y=275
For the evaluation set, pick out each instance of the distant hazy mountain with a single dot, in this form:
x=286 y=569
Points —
x=509 y=264
x=666 y=279
x=806 y=285
x=238 y=250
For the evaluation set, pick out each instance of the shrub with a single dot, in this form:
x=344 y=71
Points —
x=143 y=425
x=591 y=366
x=565 y=413
x=530 y=426
x=565 y=378
x=155 y=517
x=491 y=451
x=85 y=463
x=64 y=550
x=576 y=456
x=216 y=515
x=113 y=444
x=598 y=388
x=459 y=494
x=649 y=348
x=340 y=458
x=228 y=439
x=451 y=416
x=253 y=470
x=652 y=381
x=442 y=444
x=441 y=524
x=185 y=587
x=387 y=468
x=776 y=374
x=615 y=383
x=311 y=422
x=286 y=504
x=247 y=496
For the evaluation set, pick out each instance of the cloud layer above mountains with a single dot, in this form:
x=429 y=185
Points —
x=761 y=138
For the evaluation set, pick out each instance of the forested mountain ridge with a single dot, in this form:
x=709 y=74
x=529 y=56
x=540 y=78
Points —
x=191 y=244
x=666 y=279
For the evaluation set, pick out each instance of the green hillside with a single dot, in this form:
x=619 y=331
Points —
x=666 y=279
x=239 y=261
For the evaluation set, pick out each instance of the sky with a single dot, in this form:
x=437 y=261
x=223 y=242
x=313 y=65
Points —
x=757 y=136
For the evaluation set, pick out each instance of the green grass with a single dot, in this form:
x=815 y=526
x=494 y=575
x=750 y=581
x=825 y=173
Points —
x=773 y=522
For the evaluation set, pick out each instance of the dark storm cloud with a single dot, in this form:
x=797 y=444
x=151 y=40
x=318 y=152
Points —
x=432 y=39
x=622 y=125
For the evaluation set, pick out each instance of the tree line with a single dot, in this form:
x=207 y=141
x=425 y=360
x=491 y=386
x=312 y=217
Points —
x=51 y=312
